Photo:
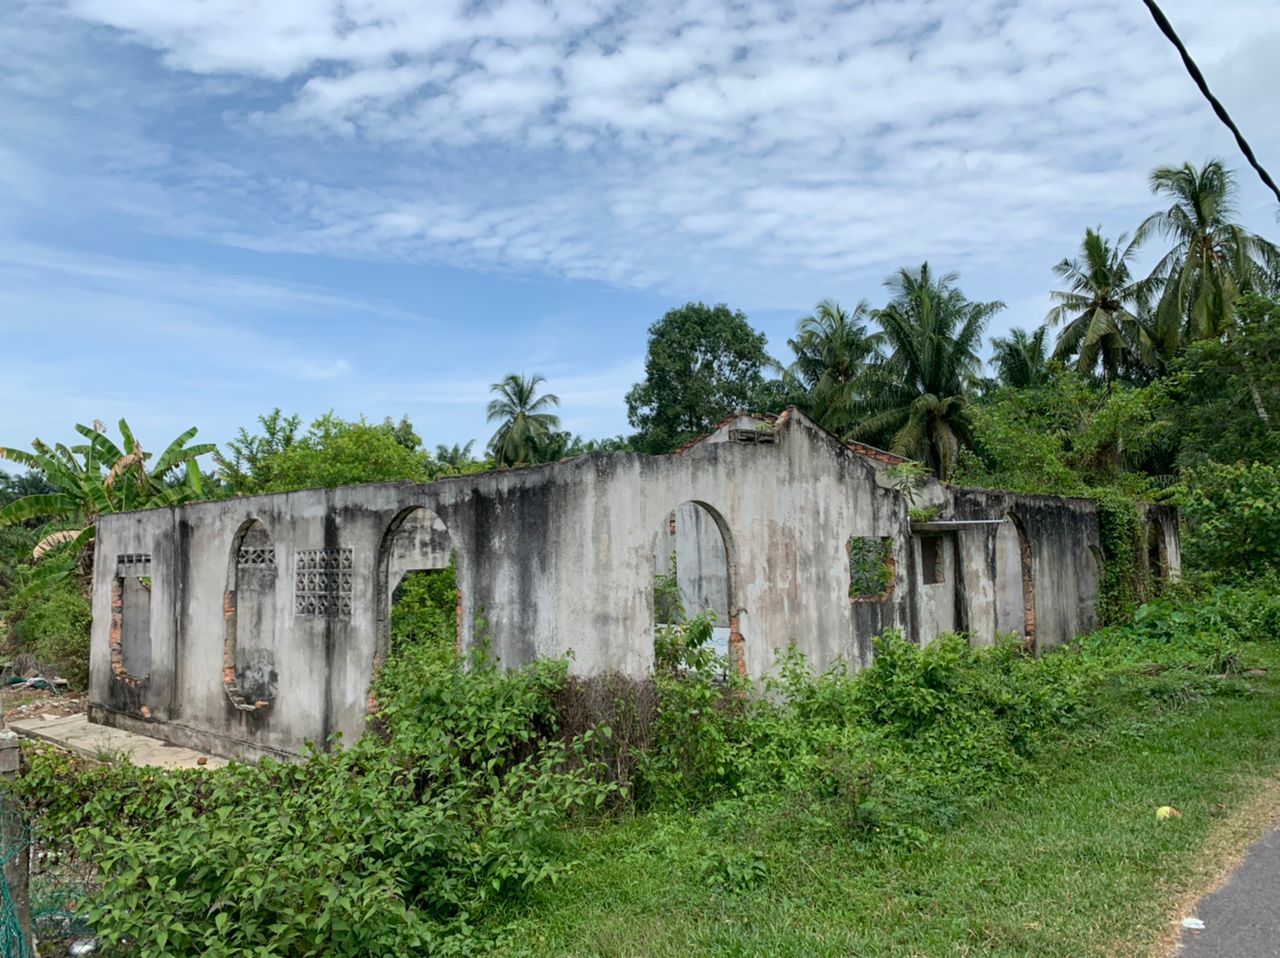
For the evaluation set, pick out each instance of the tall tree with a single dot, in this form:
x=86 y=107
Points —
x=918 y=394
x=525 y=424
x=1214 y=260
x=1021 y=358
x=703 y=363
x=332 y=452
x=832 y=347
x=1101 y=309
x=339 y=452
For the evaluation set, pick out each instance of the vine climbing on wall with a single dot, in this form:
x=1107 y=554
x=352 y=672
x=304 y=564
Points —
x=1119 y=524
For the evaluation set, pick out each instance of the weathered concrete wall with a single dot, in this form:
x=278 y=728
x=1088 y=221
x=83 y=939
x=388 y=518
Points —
x=1062 y=539
x=268 y=613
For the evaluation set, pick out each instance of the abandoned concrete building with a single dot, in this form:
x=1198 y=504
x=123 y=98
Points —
x=251 y=626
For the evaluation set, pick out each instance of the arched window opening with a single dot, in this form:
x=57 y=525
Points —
x=694 y=571
x=249 y=649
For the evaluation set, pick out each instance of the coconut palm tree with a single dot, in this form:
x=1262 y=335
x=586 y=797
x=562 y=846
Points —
x=1214 y=260
x=832 y=347
x=1101 y=309
x=1021 y=359
x=525 y=423
x=918 y=393
x=93 y=479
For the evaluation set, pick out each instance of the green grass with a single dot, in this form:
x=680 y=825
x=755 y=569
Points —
x=1068 y=861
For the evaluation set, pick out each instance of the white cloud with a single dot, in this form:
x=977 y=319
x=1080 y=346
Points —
x=762 y=149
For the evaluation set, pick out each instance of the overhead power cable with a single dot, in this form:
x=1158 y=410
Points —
x=1167 y=29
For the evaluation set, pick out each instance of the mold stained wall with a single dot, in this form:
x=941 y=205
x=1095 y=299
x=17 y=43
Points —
x=551 y=560
x=559 y=560
x=1063 y=539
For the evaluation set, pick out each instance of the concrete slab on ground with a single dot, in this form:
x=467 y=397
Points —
x=77 y=734
x=1242 y=918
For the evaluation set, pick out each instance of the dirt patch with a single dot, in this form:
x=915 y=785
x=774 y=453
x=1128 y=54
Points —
x=33 y=703
x=1220 y=855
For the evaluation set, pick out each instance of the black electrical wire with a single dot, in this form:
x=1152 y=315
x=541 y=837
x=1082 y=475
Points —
x=1167 y=29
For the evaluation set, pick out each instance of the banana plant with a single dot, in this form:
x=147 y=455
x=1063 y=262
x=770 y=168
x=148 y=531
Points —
x=92 y=479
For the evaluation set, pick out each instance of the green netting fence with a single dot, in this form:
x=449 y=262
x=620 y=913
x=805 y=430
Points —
x=58 y=884
x=15 y=843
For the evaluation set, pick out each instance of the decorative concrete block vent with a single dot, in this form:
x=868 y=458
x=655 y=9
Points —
x=322 y=583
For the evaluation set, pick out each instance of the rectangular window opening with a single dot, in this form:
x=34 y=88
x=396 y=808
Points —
x=871 y=568
x=932 y=570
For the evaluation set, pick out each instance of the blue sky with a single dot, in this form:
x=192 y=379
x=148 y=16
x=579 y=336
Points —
x=382 y=206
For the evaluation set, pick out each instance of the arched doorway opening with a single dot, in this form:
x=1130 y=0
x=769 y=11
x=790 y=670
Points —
x=695 y=570
x=1015 y=581
x=1157 y=555
x=418 y=598
x=249 y=647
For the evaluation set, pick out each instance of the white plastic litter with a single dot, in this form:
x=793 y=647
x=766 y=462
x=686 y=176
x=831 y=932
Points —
x=1195 y=924
x=85 y=946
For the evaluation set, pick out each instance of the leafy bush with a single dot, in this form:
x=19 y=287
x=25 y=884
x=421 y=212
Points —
x=1232 y=517
x=424 y=610
x=1118 y=525
x=53 y=625
x=870 y=565
x=1200 y=631
x=903 y=744
x=389 y=847
x=699 y=725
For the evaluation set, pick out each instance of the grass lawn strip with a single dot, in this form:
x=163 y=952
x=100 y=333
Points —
x=1069 y=861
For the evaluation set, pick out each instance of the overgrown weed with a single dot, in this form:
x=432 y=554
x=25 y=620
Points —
x=415 y=838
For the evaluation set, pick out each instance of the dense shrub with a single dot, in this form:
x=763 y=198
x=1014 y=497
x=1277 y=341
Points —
x=700 y=725
x=424 y=612
x=903 y=744
x=1193 y=629
x=1232 y=515
x=53 y=625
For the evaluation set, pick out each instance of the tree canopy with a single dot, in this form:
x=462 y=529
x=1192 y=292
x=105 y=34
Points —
x=703 y=363
x=332 y=452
